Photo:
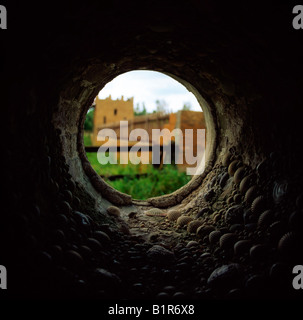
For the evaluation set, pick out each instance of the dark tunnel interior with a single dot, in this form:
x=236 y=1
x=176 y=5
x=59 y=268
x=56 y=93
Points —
x=236 y=229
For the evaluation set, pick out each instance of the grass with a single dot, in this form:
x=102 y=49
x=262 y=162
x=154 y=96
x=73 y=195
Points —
x=87 y=139
x=156 y=183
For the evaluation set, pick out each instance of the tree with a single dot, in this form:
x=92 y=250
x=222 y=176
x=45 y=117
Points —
x=88 y=123
x=162 y=106
x=140 y=112
x=186 y=106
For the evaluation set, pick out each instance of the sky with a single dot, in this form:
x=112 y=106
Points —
x=149 y=86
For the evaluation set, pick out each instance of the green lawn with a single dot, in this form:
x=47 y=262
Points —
x=156 y=183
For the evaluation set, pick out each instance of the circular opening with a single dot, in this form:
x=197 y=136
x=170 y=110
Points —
x=145 y=134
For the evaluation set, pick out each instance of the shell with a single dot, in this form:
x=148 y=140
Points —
x=247 y=216
x=184 y=220
x=73 y=258
x=173 y=215
x=276 y=229
x=193 y=226
x=290 y=246
x=82 y=219
x=204 y=230
x=192 y=243
x=262 y=167
x=251 y=194
x=67 y=195
x=76 y=202
x=281 y=190
x=241 y=246
x=212 y=216
x=258 y=205
x=101 y=236
x=94 y=244
x=217 y=217
x=214 y=236
x=226 y=159
x=237 y=198
x=245 y=183
x=223 y=179
x=113 y=211
x=71 y=185
x=234 y=214
x=265 y=219
x=286 y=243
x=225 y=277
x=278 y=271
x=236 y=227
x=227 y=240
x=258 y=252
x=230 y=200
x=233 y=167
x=155 y=212
x=239 y=174
x=255 y=285
x=65 y=208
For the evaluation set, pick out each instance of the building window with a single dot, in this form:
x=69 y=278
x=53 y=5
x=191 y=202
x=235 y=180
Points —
x=115 y=112
x=104 y=119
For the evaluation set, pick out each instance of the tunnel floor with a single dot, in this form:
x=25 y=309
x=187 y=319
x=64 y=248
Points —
x=230 y=245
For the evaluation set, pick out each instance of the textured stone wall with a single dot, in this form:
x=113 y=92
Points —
x=244 y=64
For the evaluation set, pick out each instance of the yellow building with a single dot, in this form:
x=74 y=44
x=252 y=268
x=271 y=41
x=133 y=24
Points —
x=108 y=114
x=108 y=111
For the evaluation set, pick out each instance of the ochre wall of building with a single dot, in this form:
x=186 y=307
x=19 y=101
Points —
x=105 y=112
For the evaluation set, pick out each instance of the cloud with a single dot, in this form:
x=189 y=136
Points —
x=147 y=87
